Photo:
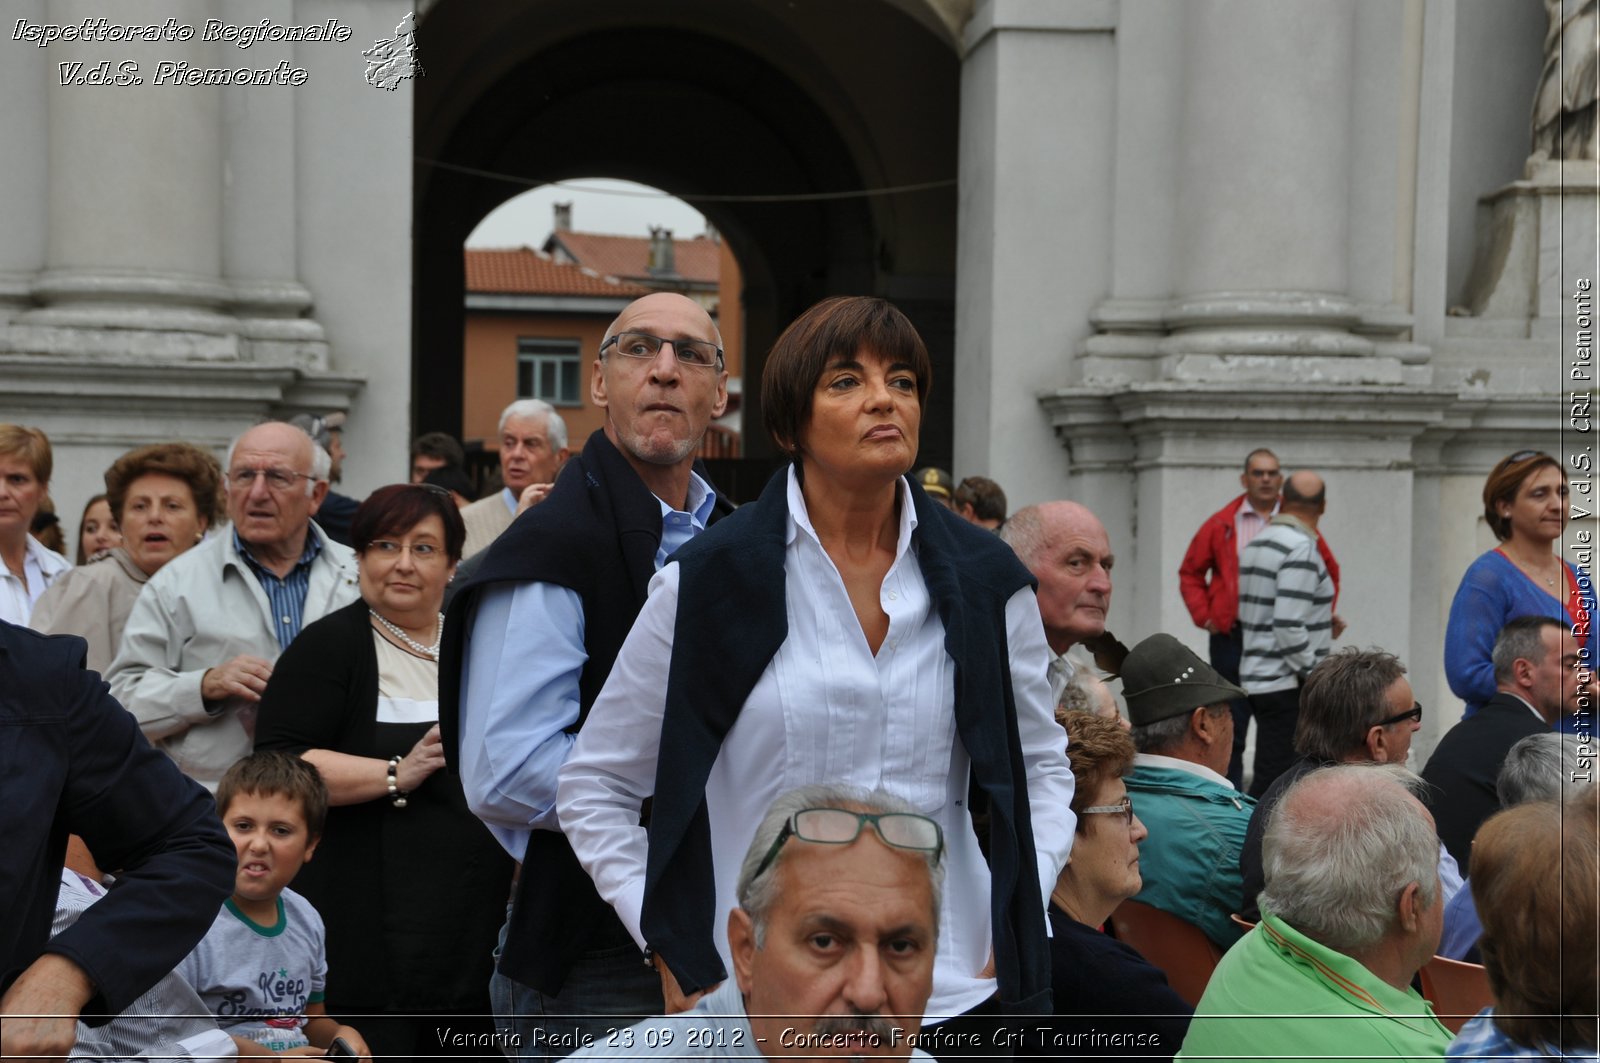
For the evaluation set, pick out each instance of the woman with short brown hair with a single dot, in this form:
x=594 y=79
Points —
x=842 y=628
x=164 y=497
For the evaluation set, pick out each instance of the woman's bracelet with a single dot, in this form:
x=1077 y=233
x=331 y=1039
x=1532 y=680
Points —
x=395 y=793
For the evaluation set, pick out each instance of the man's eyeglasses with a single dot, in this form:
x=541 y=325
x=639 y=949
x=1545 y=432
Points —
x=702 y=354
x=277 y=479
x=1123 y=808
x=838 y=826
x=1413 y=714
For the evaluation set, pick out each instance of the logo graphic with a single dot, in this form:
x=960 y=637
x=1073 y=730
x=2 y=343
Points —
x=391 y=61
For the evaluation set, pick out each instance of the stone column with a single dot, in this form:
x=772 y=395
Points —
x=1033 y=241
x=24 y=172
x=135 y=202
x=1262 y=241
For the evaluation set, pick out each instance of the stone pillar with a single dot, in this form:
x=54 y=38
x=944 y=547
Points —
x=1033 y=247
x=133 y=266
x=258 y=233
x=1262 y=241
x=24 y=170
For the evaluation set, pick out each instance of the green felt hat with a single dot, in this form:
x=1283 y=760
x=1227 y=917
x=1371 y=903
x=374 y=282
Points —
x=1162 y=678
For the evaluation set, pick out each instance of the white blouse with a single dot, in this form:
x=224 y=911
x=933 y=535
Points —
x=826 y=710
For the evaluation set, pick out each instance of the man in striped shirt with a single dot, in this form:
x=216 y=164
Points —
x=1286 y=617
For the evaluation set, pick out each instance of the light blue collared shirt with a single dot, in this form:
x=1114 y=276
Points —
x=519 y=694
x=286 y=593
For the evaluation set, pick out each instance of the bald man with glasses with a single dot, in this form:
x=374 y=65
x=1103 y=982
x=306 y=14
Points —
x=531 y=637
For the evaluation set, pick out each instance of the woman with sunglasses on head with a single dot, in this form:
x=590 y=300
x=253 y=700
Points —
x=842 y=628
x=411 y=885
x=1525 y=503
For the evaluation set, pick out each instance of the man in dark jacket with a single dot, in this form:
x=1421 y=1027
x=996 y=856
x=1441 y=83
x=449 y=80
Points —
x=72 y=761
x=529 y=643
x=1535 y=659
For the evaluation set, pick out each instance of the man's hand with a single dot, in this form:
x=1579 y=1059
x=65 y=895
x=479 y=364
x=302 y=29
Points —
x=243 y=677
x=1211 y=627
x=1338 y=625
x=672 y=995
x=39 y=1013
x=531 y=496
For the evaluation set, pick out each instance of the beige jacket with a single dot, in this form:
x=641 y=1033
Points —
x=485 y=520
x=202 y=610
x=93 y=601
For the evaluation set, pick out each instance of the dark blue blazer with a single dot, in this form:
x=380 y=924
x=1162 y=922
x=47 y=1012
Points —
x=72 y=761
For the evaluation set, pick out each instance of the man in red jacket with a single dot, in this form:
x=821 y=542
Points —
x=1209 y=577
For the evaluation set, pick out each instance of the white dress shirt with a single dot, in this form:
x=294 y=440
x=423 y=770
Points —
x=519 y=688
x=826 y=710
x=41 y=565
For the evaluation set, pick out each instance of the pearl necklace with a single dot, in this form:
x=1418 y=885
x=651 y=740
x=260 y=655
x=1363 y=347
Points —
x=425 y=651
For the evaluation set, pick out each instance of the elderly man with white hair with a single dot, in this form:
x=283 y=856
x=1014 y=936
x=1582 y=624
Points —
x=204 y=633
x=833 y=940
x=533 y=447
x=1351 y=911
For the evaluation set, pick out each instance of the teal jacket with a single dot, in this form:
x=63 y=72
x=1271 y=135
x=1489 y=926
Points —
x=1190 y=862
x=1278 y=995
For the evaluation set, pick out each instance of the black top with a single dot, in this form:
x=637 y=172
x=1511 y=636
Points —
x=412 y=897
x=1095 y=978
x=1465 y=765
x=732 y=618
x=335 y=515
x=72 y=761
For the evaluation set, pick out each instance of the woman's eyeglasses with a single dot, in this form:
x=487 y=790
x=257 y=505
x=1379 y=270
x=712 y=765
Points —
x=1123 y=808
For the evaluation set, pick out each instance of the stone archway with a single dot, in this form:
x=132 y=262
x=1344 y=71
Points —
x=703 y=100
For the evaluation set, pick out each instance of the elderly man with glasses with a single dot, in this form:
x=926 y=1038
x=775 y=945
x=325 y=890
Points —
x=833 y=940
x=202 y=637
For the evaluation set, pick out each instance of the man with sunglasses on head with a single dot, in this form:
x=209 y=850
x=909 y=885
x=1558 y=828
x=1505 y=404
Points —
x=530 y=639
x=1356 y=707
x=832 y=943
x=201 y=639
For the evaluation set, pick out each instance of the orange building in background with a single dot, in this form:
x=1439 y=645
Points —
x=535 y=320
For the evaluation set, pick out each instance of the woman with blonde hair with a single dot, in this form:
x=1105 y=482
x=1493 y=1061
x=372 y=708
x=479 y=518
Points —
x=28 y=565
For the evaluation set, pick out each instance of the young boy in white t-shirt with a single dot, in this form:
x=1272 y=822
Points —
x=261 y=967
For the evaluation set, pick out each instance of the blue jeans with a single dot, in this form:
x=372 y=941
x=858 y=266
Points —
x=607 y=989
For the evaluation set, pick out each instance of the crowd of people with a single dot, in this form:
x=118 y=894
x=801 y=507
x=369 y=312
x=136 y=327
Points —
x=841 y=771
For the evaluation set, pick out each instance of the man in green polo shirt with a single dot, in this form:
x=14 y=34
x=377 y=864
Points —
x=1351 y=910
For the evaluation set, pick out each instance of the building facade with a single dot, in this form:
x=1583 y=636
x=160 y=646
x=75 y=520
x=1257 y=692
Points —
x=1141 y=238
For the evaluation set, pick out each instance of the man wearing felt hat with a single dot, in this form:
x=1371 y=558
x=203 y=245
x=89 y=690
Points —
x=1183 y=729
